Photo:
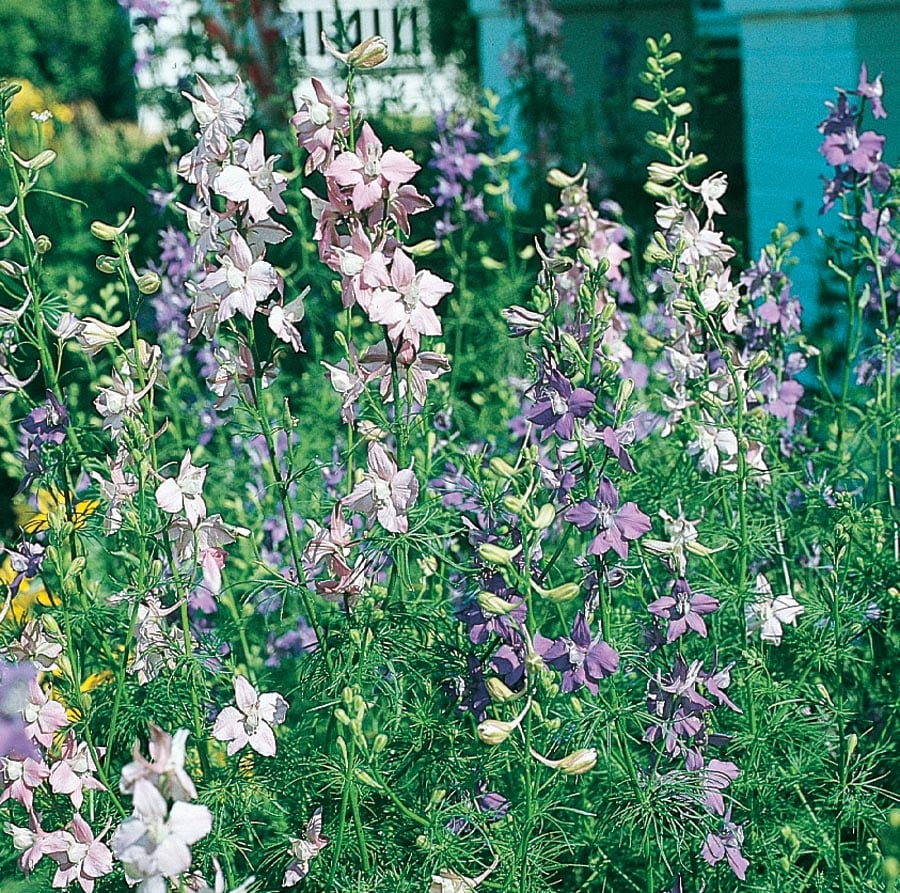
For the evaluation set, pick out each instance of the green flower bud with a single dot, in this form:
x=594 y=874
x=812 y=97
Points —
x=502 y=467
x=371 y=53
x=42 y=244
x=544 y=518
x=103 y=231
x=108 y=233
x=40 y=161
x=494 y=554
x=564 y=593
x=494 y=731
x=579 y=762
x=513 y=504
x=148 y=283
x=493 y=604
x=500 y=691
x=107 y=263
x=380 y=743
x=562 y=180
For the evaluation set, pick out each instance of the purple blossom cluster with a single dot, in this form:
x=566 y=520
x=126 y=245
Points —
x=455 y=158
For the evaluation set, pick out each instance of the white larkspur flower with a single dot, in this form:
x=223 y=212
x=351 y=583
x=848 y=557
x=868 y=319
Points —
x=251 y=721
x=305 y=849
x=769 y=613
x=184 y=492
x=154 y=843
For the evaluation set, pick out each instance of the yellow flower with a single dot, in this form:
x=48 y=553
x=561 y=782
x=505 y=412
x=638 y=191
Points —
x=30 y=592
x=52 y=503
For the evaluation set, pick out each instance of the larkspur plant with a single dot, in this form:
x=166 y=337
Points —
x=635 y=641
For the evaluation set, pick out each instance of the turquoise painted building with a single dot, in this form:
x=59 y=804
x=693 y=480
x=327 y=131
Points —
x=773 y=63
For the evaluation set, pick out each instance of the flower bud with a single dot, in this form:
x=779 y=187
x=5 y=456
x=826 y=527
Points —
x=513 y=504
x=103 y=231
x=380 y=743
x=562 y=180
x=586 y=258
x=564 y=593
x=493 y=604
x=579 y=762
x=495 y=731
x=42 y=244
x=421 y=249
x=494 y=554
x=108 y=233
x=148 y=284
x=502 y=467
x=683 y=306
x=9 y=268
x=369 y=54
x=500 y=691
x=367 y=779
x=107 y=263
x=544 y=518
x=40 y=161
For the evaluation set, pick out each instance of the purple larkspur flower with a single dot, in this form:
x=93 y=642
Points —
x=684 y=610
x=509 y=663
x=726 y=844
x=583 y=660
x=558 y=405
x=871 y=90
x=615 y=524
x=483 y=623
x=469 y=691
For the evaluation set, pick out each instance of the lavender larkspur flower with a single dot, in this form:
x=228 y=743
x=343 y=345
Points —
x=583 y=660
x=15 y=681
x=726 y=844
x=558 y=405
x=615 y=524
x=684 y=610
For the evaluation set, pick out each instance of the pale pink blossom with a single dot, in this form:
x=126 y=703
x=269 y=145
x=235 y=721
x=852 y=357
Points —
x=407 y=307
x=283 y=319
x=318 y=119
x=117 y=491
x=240 y=284
x=79 y=855
x=370 y=170
x=384 y=493
x=769 y=612
x=184 y=492
x=711 y=443
x=253 y=180
x=165 y=768
x=73 y=772
x=251 y=721
x=32 y=843
x=21 y=778
x=219 y=117
x=425 y=366
x=44 y=717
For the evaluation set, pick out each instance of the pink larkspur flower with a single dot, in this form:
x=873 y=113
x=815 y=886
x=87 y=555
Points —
x=318 y=119
x=253 y=180
x=79 y=855
x=407 y=306
x=370 y=170
x=155 y=842
x=384 y=493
